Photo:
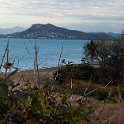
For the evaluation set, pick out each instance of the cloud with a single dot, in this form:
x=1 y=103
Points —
x=64 y=11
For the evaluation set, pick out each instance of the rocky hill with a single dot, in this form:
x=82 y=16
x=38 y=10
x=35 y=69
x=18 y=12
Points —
x=49 y=31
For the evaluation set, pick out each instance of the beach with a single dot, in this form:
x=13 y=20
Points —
x=29 y=75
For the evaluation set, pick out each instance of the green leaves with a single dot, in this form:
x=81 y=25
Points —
x=90 y=49
x=40 y=96
x=4 y=90
x=20 y=96
x=5 y=84
x=31 y=106
x=32 y=121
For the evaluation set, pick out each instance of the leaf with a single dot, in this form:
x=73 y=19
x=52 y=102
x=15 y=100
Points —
x=32 y=121
x=29 y=92
x=46 y=112
x=64 y=100
x=9 y=82
x=20 y=96
x=4 y=90
x=69 y=109
x=40 y=96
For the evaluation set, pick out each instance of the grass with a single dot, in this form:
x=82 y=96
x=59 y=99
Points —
x=108 y=102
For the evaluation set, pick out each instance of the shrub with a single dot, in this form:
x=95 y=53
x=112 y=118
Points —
x=102 y=94
x=122 y=92
x=31 y=105
x=83 y=72
x=114 y=99
x=80 y=72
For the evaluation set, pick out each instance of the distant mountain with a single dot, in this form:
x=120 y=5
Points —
x=53 y=32
x=11 y=30
x=113 y=34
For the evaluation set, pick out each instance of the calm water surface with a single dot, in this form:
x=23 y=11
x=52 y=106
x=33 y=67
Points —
x=22 y=50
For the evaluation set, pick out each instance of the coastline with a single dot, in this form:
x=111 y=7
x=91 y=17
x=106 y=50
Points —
x=28 y=75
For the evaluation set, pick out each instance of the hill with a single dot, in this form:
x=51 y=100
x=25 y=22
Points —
x=49 y=31
x=11 y=30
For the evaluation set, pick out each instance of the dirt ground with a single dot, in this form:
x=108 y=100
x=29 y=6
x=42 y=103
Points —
x=30 y=75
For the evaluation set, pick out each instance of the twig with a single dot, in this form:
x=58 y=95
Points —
x=6 y=49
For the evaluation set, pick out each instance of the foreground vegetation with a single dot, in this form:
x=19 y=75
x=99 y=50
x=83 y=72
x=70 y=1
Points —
x=76 y=94
x=34 y=102
x=32 y=105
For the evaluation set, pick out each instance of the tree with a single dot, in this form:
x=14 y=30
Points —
x=121 y=43
x=90 y=50
x=121 y=54
x=107 y=55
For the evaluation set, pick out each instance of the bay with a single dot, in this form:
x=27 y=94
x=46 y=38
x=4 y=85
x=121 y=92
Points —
x=22 y=52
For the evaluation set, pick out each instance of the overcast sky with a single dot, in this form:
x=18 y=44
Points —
x=84 y=15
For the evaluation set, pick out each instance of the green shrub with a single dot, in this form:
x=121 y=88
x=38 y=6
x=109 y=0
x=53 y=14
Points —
x=114 y=99
x=102 y=94
x=39 y=105
x=83 y=72
x=110 y=93
x=122 y=93
x=80 y=72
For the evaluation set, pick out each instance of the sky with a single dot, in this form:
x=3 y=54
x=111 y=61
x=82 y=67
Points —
x=83 y=15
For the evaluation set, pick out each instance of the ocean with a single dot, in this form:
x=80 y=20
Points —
x=22 y=52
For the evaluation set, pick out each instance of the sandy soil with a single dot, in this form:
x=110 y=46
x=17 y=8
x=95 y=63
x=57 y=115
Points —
x=29 y=75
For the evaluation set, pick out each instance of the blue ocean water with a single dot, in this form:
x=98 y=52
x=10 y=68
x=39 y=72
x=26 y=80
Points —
x=22 y=51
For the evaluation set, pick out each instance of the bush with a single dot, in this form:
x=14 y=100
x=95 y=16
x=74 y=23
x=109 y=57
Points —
x=122 y=93
x=31 y=105
x=102 y=94
x=79 y=72
x=83 y=72
x=114 y=99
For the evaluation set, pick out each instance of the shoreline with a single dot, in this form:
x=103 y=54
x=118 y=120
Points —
x=40 y=69
x=28 y=75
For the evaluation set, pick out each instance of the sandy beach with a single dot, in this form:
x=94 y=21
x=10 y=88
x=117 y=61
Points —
x=28 y=75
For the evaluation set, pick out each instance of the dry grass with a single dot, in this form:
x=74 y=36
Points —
x=105 y=112
x=108 y=113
